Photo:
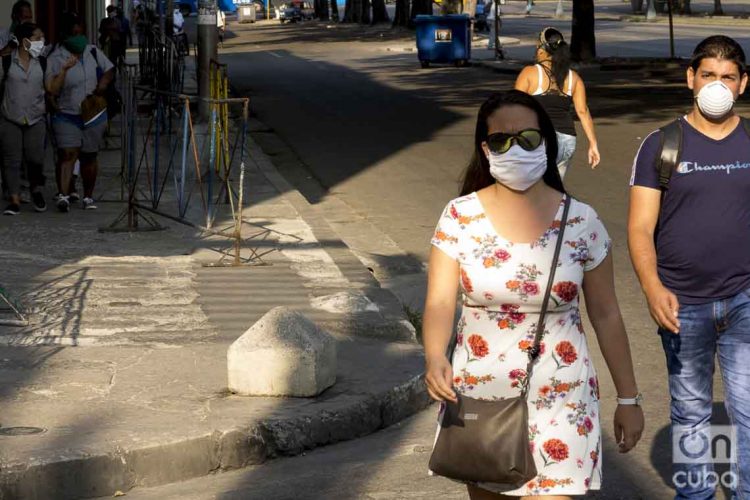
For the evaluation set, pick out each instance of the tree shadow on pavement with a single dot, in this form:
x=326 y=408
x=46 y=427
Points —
x=639 y=95
x=323 y=134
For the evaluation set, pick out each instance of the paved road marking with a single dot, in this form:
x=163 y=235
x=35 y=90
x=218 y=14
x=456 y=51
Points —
x=274 y=54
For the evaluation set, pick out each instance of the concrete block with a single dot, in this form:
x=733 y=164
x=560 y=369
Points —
x=282 y=354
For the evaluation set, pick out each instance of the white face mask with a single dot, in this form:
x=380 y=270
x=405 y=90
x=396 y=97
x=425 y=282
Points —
x=35 y=47
x=517 y=168
x=715 y=100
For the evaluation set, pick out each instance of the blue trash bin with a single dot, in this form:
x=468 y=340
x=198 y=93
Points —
x=443 y=39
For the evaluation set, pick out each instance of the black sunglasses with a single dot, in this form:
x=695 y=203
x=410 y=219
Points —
x=528 y=139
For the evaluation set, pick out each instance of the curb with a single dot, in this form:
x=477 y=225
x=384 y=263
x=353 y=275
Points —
x=479 y=43
x=652 y=65
x=77 y=473
x=396 y=327
x=688 y=21
x=82 y=475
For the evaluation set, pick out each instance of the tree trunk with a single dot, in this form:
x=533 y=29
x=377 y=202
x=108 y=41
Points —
x=718 y=11
x=401 y=16
x=379 y=12
x=682 y=7
x=335 y=10
x=364 y=17
x=419 y=7
x=583 y=39
x=321 y=10
x=351 y=11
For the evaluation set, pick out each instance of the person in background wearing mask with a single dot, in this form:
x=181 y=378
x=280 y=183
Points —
x=689 y=238
x=19 y=14
x=72 y=78
x=495 y=244
x=22 y=125
x=558 y=89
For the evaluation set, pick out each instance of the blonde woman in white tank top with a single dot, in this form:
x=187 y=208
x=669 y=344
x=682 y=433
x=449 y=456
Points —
x=540 y=81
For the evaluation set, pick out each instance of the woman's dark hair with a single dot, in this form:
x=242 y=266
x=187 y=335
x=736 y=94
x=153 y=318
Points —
x=477 y=174
x=552 y=41
x=25 y=30
x=719 y=47
x=15 y=12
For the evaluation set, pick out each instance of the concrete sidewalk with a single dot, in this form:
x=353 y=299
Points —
x=120 y=381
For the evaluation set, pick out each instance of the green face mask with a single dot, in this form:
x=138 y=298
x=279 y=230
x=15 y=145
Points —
x=76 y=44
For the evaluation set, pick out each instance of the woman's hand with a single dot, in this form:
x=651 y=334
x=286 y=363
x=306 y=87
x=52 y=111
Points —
x=70 y=62
x=594 y=157
x=628 y=426
x=439 y=379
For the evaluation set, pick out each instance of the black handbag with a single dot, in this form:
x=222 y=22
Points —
x=488 y=441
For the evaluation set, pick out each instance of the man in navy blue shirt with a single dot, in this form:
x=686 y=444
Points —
x=694 y=267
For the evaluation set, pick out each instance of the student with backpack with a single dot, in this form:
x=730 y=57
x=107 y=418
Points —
x=23 y=127
x=78 y=78
x=689 y=237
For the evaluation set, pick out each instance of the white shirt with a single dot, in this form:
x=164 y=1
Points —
x=178 y=21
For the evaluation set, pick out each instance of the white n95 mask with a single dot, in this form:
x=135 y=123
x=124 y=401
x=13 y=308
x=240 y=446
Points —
x=715 y=100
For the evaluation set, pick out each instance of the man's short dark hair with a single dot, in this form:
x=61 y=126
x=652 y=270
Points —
x=719 y=47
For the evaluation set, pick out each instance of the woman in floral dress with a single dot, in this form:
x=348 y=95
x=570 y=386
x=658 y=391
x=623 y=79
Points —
x=496 y=243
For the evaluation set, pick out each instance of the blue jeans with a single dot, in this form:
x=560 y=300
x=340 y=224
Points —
x=724 y=327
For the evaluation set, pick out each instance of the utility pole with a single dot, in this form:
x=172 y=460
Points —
x=169 y=18
x=208 y=41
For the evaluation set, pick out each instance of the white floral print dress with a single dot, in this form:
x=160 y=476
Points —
x=502 y=285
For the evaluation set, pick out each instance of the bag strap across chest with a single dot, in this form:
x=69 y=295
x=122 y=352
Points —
x=535 y=349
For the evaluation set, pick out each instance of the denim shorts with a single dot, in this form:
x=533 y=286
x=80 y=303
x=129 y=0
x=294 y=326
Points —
x=69 y=134
x=566 y=146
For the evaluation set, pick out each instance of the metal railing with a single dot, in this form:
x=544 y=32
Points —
x=161 y=63
x=168 y=161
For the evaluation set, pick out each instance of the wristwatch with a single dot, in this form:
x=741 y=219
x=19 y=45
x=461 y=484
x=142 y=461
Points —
x=636 y=401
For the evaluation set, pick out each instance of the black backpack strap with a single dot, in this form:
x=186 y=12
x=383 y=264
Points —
x=745 y=124
x=43 y=64
x=671 y=149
